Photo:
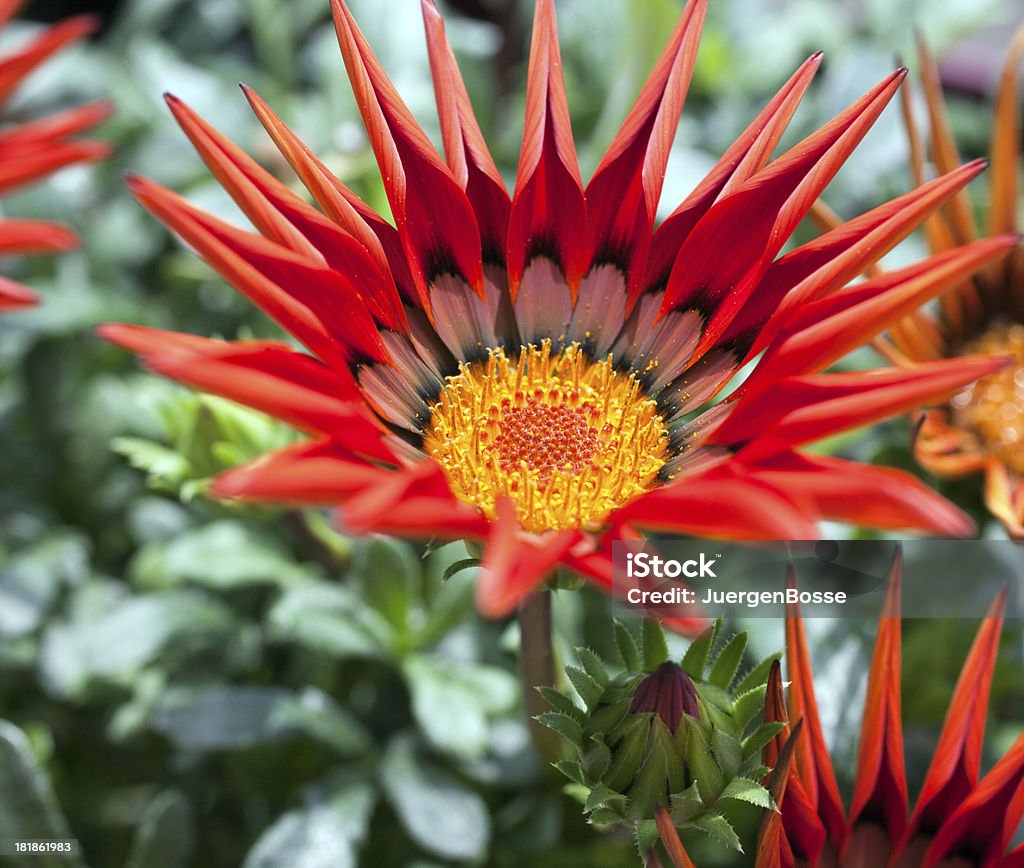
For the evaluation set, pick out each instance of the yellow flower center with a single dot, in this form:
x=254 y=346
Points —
x=992 y=409
x=567 y=439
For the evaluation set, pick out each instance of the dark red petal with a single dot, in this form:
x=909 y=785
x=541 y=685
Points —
x=464 y=146
x=753 y=222
x=953 y=772
x=747 y=155
x=622 y=197
x=549 y=214
x=880 y=791
x=515 y=561
x=435 y=219
x=986 y=822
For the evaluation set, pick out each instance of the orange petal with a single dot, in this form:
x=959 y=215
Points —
x=880 y=792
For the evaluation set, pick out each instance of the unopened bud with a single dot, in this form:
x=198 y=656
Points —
x=668 y=691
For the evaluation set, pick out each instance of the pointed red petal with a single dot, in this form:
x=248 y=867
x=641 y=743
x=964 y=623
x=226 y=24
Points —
x=957 y=759
x=34 y=162
x=378 y=237
x=984 y=824
x=622 y=197
x=785 y=413
x=866 y=496
x=34 y=236
x=813 y=766
x=317 y=472
x=316 y=305
x=15 y=67
x=827 y=263
x=515 y=561
x=745 y=156
x=549 y=214
x=282 y=217
x=754 y=221
x=670 y=839
x=54 y=127
x=464 y=146
x=825 y=330
x=724 y=505
x=880 y=792
x=435 y=219
x=413 y=501
x=13 y=295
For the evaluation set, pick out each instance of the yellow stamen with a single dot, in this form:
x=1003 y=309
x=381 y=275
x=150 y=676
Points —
x=569 y=440
x=992 y=410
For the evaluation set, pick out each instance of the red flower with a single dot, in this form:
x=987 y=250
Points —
x=957 y=821
x=536 y=371
x=31 y=150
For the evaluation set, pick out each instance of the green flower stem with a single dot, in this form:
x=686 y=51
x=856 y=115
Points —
x=537 y=667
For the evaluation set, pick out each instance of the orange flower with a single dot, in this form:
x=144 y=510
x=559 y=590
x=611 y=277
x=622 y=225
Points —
x=536 y=371
x=982 y=427
x=31 y=150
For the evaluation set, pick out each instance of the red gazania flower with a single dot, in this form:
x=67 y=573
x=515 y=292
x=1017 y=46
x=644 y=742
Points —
x=981 y=429
x=959 y=821
x=31 y=150
x=536 y=371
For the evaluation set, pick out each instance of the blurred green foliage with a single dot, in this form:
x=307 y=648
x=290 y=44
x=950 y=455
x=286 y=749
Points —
x=186 y=683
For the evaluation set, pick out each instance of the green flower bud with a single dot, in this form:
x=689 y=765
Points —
x=685 y=735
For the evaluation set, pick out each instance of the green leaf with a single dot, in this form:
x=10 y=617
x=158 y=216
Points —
x=590 y=691
x=223 y=555
x=572 y=770
x=602 y=796
x=749 y=705
x=565 y=726
x=229 y=717
x=28 y=806
x=727 y=751
x=390 y=575
x=165 y=836
x=560 y=702
x=728 y=661
x=115 y=645
x=459 y=566
x=628 y=649
x=654 y=645
x=748 y=791
x=758 y=675
x=332 y=619
x=436 y=809
x=324 y=835
x=593 y=665
x=760 y=737
x=718 y=828
x=453 y=701
x=696 y=658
